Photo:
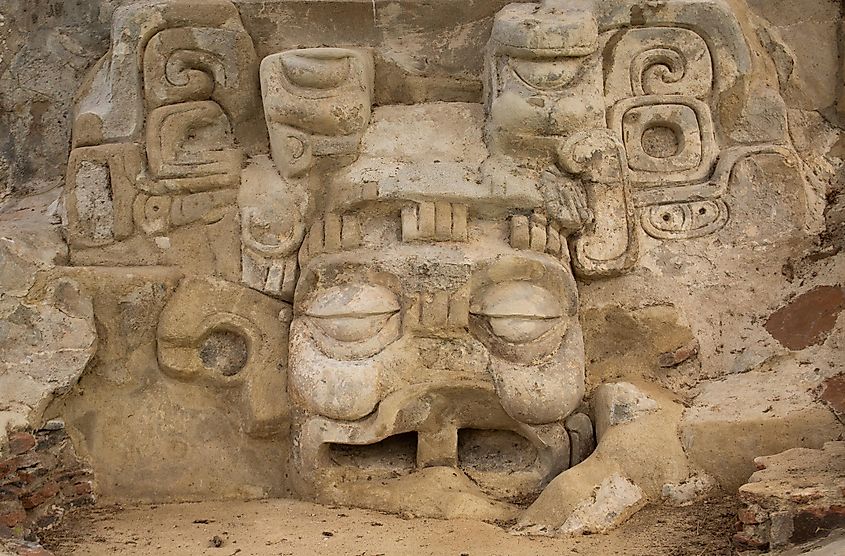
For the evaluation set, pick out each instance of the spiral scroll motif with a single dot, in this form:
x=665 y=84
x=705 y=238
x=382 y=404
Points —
x=191 y=64
x=660 y=61
x=657 y=72
x=192 y=74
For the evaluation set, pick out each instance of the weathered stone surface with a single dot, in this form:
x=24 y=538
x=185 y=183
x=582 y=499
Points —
x=739 y=418
x=47 y=332
x=624 y=343
x=59 y=316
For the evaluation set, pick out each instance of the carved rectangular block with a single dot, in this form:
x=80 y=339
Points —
x=317 y=103
x=669 y=139
x=190 y=148
x=99 y=192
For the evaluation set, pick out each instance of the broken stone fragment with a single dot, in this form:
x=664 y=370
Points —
x=689 y=491
x=794 y=497
x=615 y=500
x=621 y=402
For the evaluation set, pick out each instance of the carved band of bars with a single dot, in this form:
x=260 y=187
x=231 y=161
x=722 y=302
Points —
x=435 y=221
x=535 y=233
x=332 y=234
x=439 y=310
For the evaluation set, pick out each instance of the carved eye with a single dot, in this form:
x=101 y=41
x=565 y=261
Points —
x=545 y=75
x=519 y=312
x=353 y=313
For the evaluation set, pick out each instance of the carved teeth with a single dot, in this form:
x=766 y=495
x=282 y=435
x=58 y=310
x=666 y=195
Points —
x=441 y=221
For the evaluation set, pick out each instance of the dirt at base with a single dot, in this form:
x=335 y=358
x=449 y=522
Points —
x=291 y=527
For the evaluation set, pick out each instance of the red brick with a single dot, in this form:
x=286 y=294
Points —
x=27 y=460
x=749 y=516
x=750 y=538
x=83 y=488
x=7 y=466
x=21 y=442
x=12 y=513
x=40 y=496
x=33 y=551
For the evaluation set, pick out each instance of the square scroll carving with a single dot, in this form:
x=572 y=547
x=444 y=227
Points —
x=669 y=139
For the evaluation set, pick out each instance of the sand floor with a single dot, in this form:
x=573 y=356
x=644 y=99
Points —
x=291 y=527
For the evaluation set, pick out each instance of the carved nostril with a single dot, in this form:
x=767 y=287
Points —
x=455 y=356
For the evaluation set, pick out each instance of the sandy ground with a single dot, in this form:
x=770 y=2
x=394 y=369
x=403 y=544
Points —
x=290 y=527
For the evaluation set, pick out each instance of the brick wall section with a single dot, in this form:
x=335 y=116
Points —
x=41 y=478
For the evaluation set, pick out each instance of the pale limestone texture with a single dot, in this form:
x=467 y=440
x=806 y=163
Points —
x=508 y=261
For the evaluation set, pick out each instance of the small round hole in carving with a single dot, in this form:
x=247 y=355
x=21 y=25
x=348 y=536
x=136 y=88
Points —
x=702 y=211
x=224 y=351
x=661 y=141
x=667 y=217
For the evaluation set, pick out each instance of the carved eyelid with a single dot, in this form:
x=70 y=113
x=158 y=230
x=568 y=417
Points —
x=518 y=300
x=358 y=300
x=552 y=75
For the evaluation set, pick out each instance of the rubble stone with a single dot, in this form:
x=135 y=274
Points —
x=795 y=497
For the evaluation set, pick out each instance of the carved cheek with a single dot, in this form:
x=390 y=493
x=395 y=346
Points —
x=513 y=112
x=571 y=113
x=545 y=392
x=346 y=390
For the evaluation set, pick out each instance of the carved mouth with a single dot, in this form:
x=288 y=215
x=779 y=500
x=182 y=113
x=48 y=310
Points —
x=464 y=428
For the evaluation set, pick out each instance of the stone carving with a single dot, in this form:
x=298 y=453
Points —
x=272 y=229
x=100 y=188
x=423 y=353
x=183 y=88
x=684 y=220
x=396 y=285
x=229 y=336
x=188 y=64
x=546 y=95
x=317 y=103
x=166 y=52
x=189 y=148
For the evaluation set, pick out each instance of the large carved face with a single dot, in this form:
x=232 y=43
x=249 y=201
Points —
x=421 y=336
x=393 y=284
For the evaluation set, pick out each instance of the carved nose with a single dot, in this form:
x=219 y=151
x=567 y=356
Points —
x=438 y=314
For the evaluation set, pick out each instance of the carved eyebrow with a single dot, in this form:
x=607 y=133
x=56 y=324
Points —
x=355 y=300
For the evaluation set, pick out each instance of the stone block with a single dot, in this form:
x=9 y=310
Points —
x=741 y=417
